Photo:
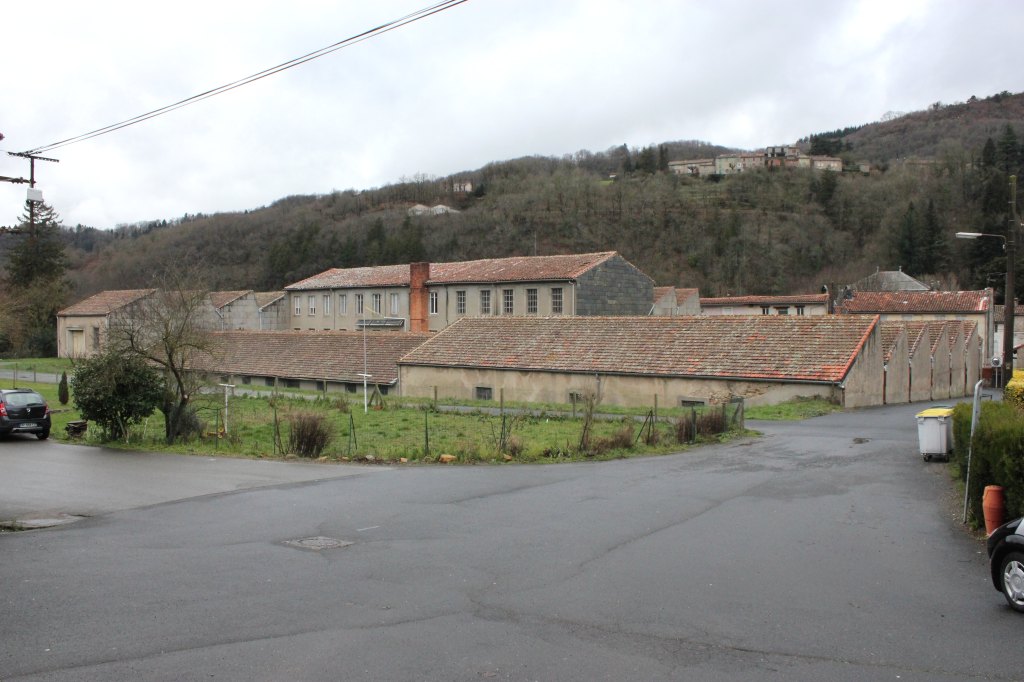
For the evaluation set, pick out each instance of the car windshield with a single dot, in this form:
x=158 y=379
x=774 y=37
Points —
x=23 y=399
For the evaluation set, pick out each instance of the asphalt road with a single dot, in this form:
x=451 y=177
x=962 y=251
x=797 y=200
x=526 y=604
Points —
x=826 y=550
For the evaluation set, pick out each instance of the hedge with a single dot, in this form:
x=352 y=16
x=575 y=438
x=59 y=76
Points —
x=1014 y=390
x=998 y=453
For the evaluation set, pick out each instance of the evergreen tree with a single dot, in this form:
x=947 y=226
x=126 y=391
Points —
x=39 y=255
x=907 y=251
x=1008 y=152
x=34 y=283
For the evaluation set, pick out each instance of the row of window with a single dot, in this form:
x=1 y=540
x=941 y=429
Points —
x=508 y=302
x=376 y=301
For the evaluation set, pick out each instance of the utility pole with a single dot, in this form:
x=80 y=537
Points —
x=1010 y=296
x=34 y=196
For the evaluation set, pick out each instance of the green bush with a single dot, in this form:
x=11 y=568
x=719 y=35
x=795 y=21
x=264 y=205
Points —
x=115 y=391
x=1014 y=390
x=997 y=456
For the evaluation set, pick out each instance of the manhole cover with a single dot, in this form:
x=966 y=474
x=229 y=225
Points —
x=317 y=543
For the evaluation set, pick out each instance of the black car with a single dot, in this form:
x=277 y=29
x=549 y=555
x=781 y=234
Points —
x=1006 y=559
x=24 y=411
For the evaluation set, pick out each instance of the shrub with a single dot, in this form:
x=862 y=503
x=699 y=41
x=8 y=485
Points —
x=997 y=456
x=62 y=389
x=116 y=391
x=686 y=428
x=712 y=422
x=309 y=434
x=1014 y=390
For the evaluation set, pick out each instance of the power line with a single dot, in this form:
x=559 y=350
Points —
x=358 y=38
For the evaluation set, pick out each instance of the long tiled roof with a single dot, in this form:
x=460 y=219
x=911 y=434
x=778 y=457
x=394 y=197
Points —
x=769 y=347
x=764 y=300
x=516 y=269
x=106 y=302
x=375 y=276
x=917 y=302
x=331 y=356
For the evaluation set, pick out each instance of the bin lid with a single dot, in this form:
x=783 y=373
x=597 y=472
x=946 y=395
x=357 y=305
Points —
x=936 y=412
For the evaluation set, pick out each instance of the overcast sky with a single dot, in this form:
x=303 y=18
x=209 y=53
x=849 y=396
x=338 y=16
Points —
x=486 y=80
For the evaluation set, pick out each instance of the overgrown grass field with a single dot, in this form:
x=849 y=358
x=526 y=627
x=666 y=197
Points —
x=413 y=432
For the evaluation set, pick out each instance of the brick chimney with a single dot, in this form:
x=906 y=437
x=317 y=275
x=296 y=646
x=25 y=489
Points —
x=419 y=273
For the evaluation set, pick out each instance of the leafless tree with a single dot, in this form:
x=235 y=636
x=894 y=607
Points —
x=169 y=328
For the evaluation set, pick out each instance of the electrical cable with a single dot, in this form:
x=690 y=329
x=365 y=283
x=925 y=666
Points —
x=292 y=63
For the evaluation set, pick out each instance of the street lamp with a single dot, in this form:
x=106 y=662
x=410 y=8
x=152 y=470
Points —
x=1009 y=296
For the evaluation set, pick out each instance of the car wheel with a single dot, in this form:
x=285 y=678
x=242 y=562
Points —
x=1012 y=580
x=43 y=435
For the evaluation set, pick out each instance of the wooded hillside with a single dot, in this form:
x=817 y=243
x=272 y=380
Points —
x=787 y=231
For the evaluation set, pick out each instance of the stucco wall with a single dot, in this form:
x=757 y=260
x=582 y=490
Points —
x=921 y=374
x=863 y=383
x=348 y=319
x=940 y=368
x=448 y=298
x=418 y=381
x=957 y=377
x=897 y=373
x=87 y=326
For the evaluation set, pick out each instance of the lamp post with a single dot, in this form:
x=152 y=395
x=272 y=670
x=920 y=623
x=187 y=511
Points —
x=1009 y=296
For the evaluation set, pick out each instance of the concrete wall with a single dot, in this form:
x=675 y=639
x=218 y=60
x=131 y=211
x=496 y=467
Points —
x=274 y=316
x=984 y=320
x=614 y=288
x=940 y=367
x=863 y=385
x=80 y=336
x=630 y=391
x=897 y=373
x=957 y=358
x=242 y=313
x=921 y=373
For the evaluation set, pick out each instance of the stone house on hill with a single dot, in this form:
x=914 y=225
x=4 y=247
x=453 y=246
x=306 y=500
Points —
x=629 y=361
x=430 y=296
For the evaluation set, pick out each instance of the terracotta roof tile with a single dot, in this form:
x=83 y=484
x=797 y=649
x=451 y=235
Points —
x=106 y=302
x=892 y=332
x=219 y=299
x=516 y=269
x=917 y=302
x=265 y=298
x=376 y=276
x=332 y=356
x=916 y=333
x=784 y=348
x=764 y=300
